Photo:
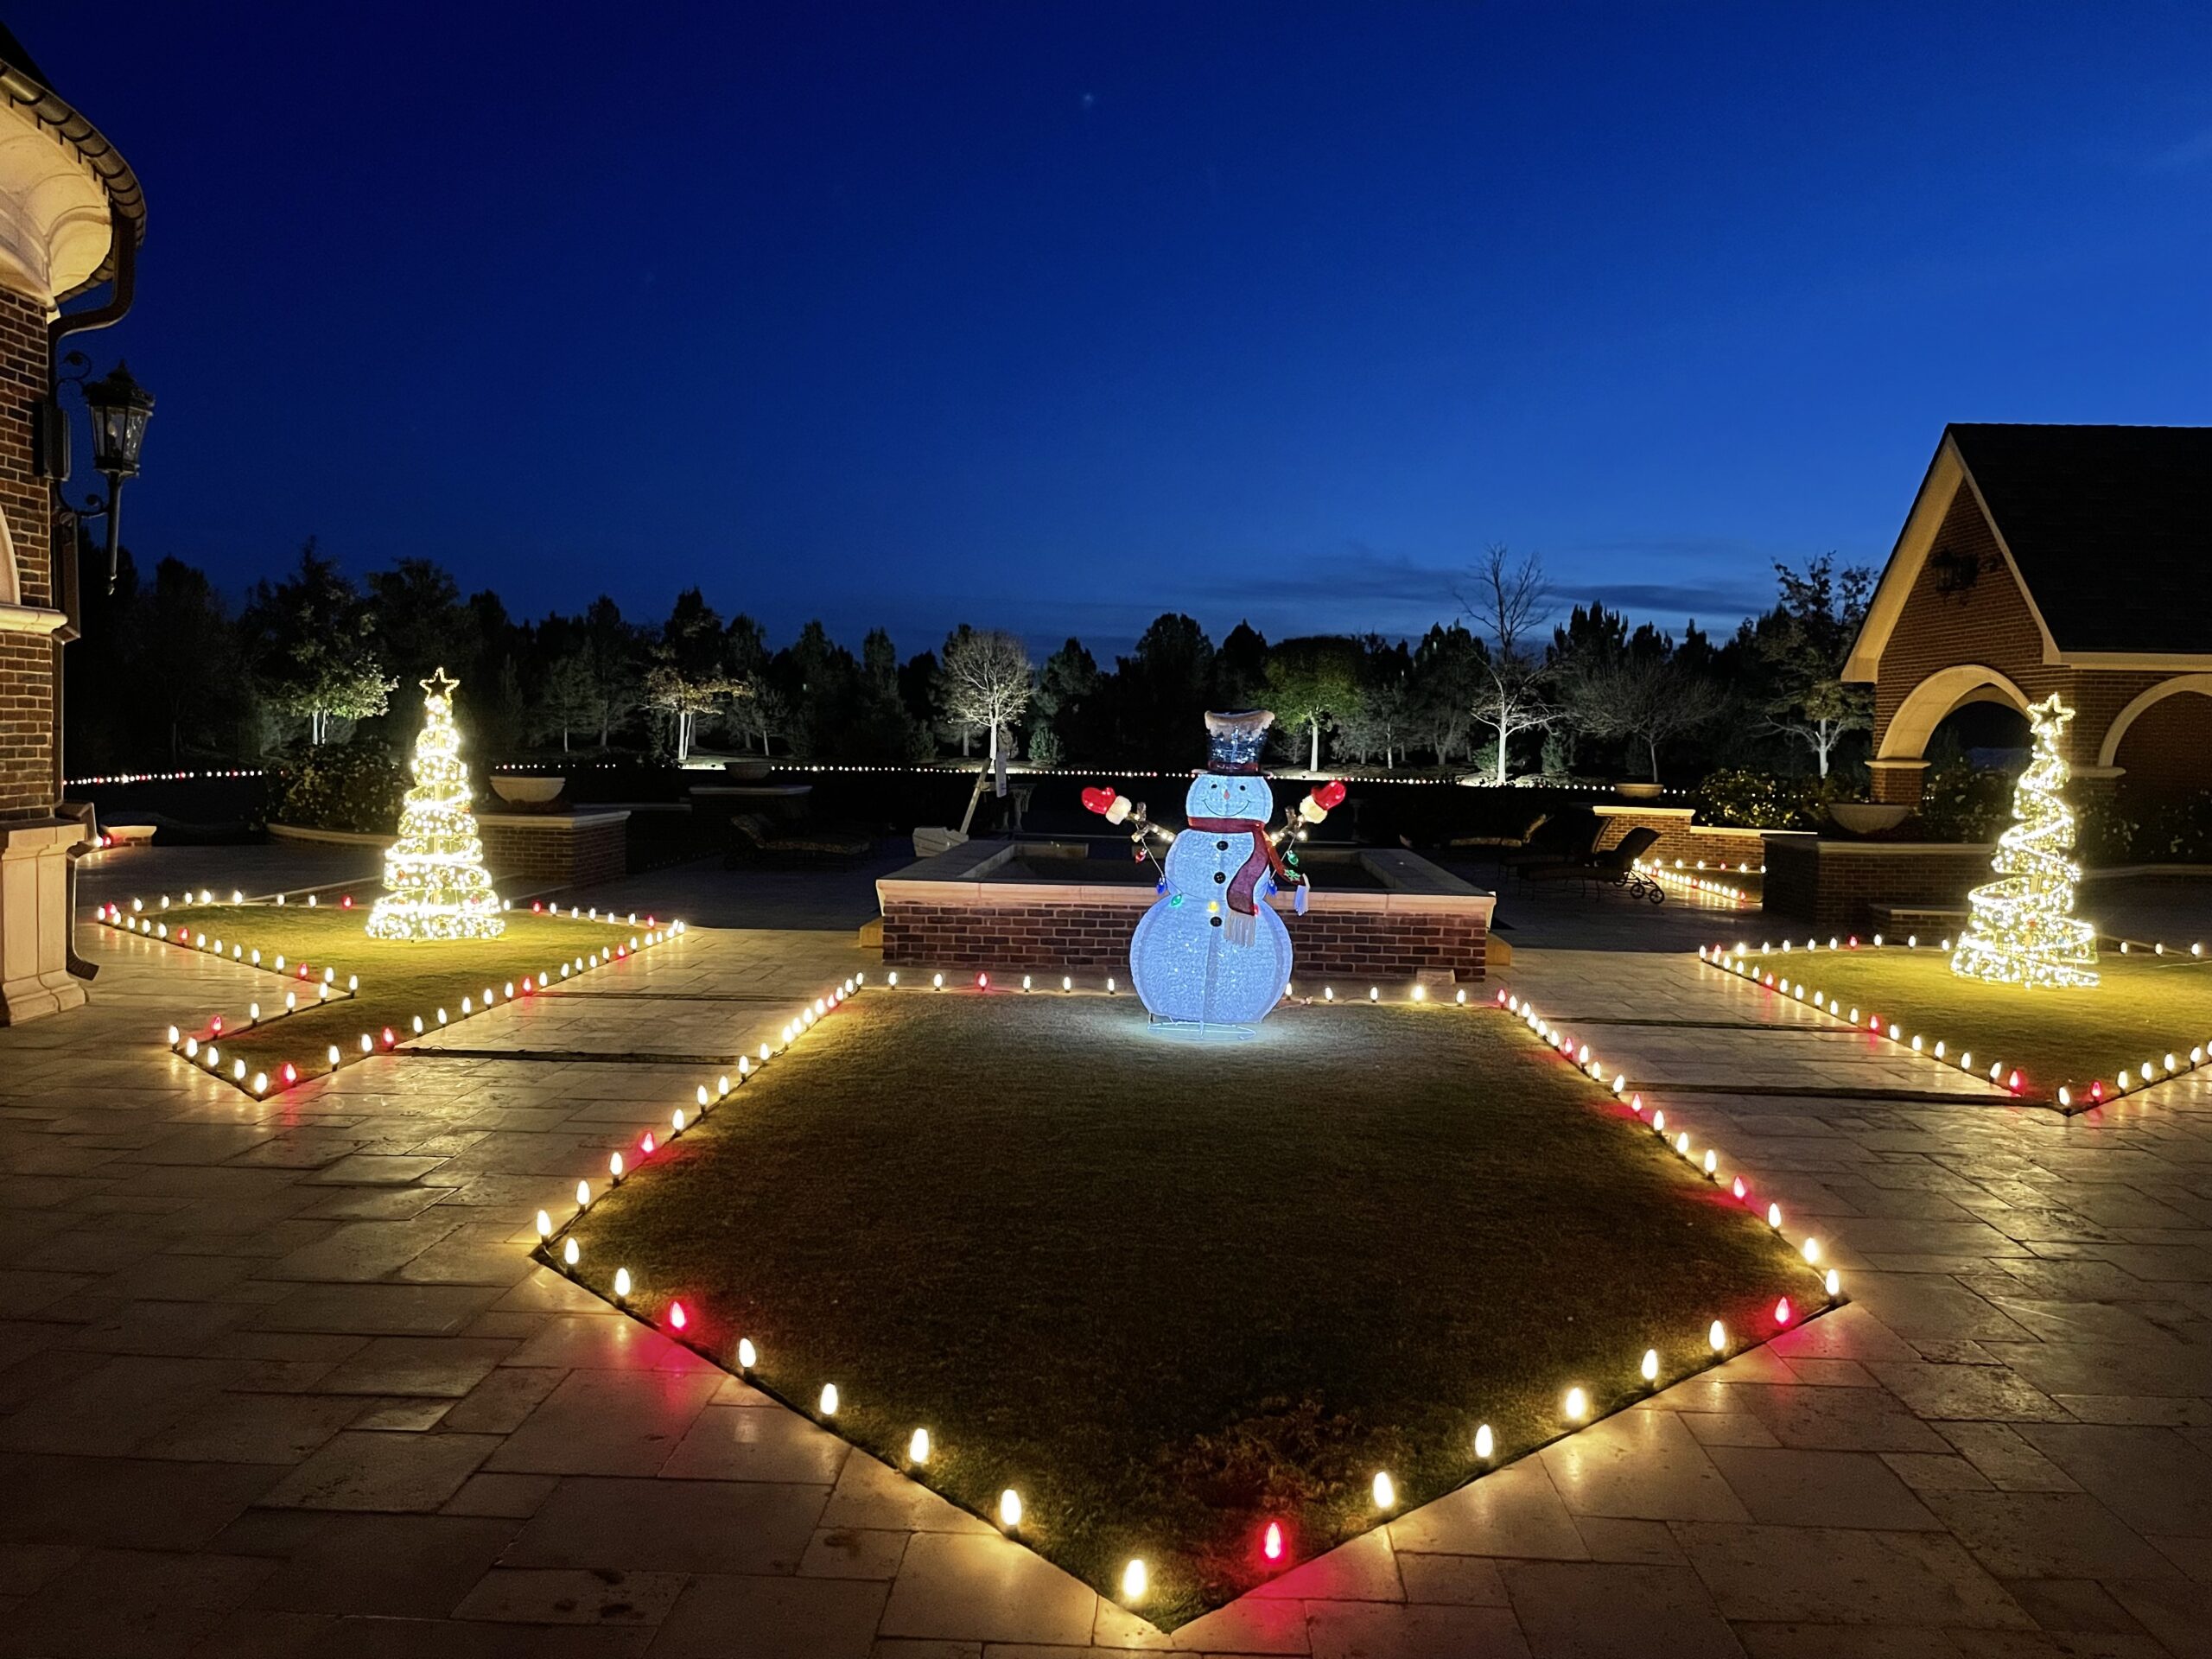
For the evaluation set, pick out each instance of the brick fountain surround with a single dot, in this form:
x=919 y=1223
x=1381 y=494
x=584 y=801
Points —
x=964 y=909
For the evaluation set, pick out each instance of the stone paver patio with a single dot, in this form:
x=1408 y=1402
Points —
x=278 y=1378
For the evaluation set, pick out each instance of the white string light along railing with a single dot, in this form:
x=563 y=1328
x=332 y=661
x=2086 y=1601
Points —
x=2161 y=1066
x=555 y=1247
x=195 y=1042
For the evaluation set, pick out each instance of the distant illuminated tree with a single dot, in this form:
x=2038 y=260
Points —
x=986 y=680
x=1506 y=601
x=1311 y=683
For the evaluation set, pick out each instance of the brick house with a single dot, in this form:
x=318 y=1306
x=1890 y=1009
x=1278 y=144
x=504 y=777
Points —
x=2051 y=558
x=71 y=215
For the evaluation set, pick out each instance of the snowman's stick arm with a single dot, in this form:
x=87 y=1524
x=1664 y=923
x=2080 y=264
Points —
x=1283 y=838
x=1141 y=828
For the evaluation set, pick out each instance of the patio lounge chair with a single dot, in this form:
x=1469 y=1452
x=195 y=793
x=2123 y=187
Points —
x=1615 y=866
x=1565 y=842
x=1509 y=843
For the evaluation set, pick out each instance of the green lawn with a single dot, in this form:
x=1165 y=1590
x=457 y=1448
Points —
x=397 y=981
x=2143 y=1009
x=1171 y=1291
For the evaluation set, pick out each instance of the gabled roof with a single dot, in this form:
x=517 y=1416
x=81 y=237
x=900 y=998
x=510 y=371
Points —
x=2109 y=529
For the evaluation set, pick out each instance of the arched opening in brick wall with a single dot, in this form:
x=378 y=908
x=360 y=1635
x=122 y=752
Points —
x=2163 y=741
x=1988 y=729
x=1927 y=704
x=11 y=581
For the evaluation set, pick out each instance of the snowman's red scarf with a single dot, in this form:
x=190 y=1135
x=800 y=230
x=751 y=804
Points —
x=1264 y=858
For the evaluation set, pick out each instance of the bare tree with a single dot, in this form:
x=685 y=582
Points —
x=1638 y=695
x=987 y=682
x=1505 y=602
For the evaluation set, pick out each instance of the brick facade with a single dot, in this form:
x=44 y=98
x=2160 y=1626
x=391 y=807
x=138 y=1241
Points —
x=1832 y=885
x=1967 y=606
x=1361 y=946
x=2167 y=749
x=959 y=909
x=557 y=850
x=1714 y=846
x=26 y=660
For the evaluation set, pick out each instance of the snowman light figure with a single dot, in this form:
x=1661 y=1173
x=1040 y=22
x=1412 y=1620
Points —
x=1213 y=951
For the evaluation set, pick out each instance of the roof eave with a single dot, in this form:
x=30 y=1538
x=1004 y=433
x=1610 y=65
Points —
x=1947 y=473
x=126 y=199
x=1930 y=503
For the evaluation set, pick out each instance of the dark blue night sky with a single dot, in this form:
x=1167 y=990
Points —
x=1055 y=315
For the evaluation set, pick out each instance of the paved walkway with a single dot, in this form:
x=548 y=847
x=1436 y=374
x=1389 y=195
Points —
x=279 y=1379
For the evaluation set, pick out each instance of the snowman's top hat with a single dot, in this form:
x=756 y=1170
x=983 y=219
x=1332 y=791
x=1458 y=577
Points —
x=1233 y=740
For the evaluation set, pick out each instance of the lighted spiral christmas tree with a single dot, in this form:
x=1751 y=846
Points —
x=434 y=884
x=2023 y=929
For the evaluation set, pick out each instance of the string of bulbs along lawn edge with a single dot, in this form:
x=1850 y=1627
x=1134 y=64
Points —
x=207 y=1051
x=1741 y=962
x=557 y=1248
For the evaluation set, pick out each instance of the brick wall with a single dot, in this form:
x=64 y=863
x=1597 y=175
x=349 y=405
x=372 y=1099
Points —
x=1988 y=621
x=1833 y=886
x=1366 y=946
x=1679 y=838
x=26 y=660
x=1984 y=620
x=2167 y=750
x=553 y=850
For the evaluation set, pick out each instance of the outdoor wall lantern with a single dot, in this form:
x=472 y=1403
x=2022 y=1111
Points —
x=120 y=408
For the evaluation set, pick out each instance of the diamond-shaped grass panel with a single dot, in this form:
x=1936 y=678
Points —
x=1170 y=1290
x=399 y=979
x=2147 y=1019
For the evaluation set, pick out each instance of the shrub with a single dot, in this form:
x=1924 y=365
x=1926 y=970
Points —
x=2106 y=833
x=1744 y=799
x=1960 y=801
x=2176 y=831
x=356 y=786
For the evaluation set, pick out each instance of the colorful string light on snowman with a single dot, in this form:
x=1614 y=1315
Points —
x=1211 y=951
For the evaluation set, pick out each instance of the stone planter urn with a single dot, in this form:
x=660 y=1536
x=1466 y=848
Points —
x=524 y=791
x=1647 y=792
x=1866 y=817
x=753 y=770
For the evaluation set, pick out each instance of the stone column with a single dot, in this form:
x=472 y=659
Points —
x=1896 y=783
x=34 y=977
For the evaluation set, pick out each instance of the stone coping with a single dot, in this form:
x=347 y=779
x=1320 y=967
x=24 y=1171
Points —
x=586 y=819
x=30 y=619
x=582 y=818
x=336 y=837
x=1635 y=810
x=959 y=876
x=1824 y=845
x=36 y=835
